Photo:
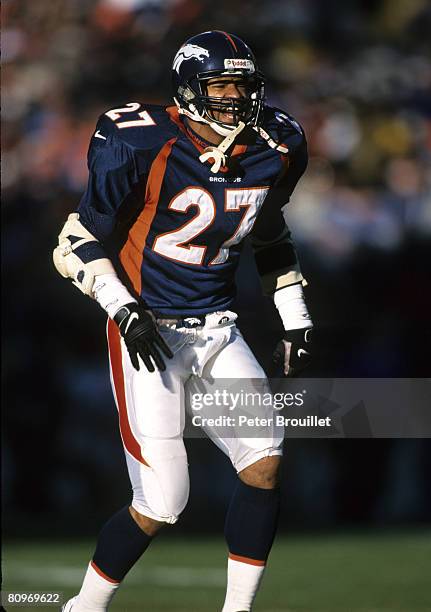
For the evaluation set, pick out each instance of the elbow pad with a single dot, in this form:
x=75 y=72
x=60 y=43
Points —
x=70 y=264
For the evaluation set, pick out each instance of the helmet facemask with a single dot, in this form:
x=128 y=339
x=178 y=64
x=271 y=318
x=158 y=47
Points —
x=194 y=101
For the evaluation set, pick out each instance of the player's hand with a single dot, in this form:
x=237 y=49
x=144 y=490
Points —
x=294 y=351
x=142 y=337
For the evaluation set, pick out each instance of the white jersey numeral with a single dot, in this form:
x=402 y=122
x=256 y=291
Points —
x=173 y=245
x=132 y=107
x=176 y=244
x=249 y=198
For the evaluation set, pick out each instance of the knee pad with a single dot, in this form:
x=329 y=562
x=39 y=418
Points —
x=161 y=488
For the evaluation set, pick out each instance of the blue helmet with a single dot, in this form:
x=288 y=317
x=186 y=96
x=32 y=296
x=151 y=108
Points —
x=217 y=54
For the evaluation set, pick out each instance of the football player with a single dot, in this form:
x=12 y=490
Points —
x=172 y=193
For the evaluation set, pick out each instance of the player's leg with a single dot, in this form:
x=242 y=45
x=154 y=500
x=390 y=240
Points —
x=120 y=544
x=252 y=516
x=150 y=408
x=250 y=528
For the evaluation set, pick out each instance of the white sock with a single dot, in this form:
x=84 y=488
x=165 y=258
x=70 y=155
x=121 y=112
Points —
x=96 y=592
x=243 y=580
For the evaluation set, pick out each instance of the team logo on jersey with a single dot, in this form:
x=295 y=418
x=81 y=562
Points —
x=189 y=52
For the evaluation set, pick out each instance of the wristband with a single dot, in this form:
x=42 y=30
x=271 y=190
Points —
x=292 y=308
x=111 y=294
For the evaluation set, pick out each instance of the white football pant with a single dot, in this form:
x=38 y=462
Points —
x=152 y=407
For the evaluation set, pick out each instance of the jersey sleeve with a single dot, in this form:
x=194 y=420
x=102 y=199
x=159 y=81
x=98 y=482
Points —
x=117 y=175
x=274 y=251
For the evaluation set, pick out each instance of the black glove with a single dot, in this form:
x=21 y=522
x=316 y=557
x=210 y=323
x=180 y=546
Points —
x=142 y=337
x=294 y=351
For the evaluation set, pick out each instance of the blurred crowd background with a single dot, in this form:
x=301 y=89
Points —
x=357 y=75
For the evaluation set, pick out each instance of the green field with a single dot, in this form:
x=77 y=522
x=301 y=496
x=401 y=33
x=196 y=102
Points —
x=348 y=573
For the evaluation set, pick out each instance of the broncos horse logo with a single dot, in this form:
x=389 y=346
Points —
x=188 y=52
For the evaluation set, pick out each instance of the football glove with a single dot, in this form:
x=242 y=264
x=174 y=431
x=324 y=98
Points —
x=294 y=351
x=142 y=337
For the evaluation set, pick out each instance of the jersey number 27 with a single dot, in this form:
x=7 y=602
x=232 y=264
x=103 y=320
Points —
x=177 y=244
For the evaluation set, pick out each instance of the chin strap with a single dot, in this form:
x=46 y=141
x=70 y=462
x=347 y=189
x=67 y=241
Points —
x=217 y=154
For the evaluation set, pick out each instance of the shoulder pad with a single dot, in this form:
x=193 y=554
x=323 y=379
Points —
x=283 y=128
x=141 y=126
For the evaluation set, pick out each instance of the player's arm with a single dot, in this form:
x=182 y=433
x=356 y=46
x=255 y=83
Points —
x=278 y=266
x=81 y=254
x=114 y=173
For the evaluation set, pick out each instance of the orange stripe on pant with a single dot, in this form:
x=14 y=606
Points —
x=132 y=253
x=247 y=560
x=114 y=343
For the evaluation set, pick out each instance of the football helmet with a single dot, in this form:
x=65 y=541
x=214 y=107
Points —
x=210 y=55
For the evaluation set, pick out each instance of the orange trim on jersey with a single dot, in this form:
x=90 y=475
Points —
x=132 y=253
x=247 y=560
x=102 y=574
x=239 y=150
x=201 y=145
x=175 y=116
x=114 y=344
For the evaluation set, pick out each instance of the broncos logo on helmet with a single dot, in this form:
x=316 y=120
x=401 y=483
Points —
x=188 y=52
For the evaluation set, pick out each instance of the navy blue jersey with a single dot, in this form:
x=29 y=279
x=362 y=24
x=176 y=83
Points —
x=176 y=227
